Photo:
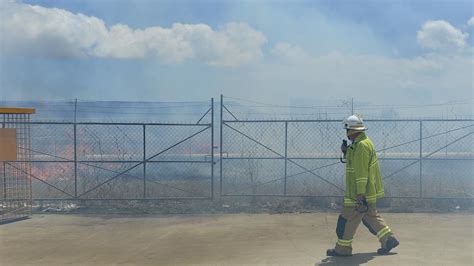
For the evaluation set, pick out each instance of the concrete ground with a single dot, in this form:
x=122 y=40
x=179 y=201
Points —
x=230 y=239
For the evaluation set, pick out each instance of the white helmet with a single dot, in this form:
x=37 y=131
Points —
x=354 y=122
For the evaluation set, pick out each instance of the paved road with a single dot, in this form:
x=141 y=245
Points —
x=231 y=239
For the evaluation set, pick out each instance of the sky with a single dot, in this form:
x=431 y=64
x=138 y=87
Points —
x=377 y=52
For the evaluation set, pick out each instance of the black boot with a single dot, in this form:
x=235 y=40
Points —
x=332 y=252
x=391 y=243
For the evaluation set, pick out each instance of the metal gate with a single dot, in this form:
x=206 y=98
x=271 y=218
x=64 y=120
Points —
x=122 y=161
x=301 y=158
x=15 y=183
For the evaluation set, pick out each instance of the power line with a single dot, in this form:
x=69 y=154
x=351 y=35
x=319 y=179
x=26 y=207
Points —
x=409 y=107
x=280 y=106
x=102 y=104
x=143 y=107
x=368 y=106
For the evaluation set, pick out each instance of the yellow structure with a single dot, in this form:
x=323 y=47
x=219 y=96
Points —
x=17 y=111
x=15 y=167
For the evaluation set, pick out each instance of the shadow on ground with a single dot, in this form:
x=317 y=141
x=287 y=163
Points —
x=355 y=259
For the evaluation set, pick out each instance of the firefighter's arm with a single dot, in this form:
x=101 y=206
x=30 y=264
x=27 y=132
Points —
x=344 y=148
x=361 y=167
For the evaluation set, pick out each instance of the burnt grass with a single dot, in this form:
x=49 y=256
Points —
x=270 y=205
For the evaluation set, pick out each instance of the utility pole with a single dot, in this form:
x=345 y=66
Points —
x=352 y=105
x=75 y=110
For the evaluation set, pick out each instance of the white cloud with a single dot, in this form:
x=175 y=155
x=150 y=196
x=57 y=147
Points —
x=36 y=30
x=470 y=22
x=51 y=31
x=442 y=36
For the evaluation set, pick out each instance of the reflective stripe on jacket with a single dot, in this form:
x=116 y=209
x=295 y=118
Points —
x=362 y=172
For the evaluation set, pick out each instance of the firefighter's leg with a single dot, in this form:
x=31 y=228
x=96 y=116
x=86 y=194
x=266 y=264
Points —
x=377 y=226
x=347 y=225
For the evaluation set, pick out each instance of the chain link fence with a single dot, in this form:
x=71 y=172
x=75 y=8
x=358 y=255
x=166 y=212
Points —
x=15 y=184
x=418 y=158
x=121 y=161
x=285 y=158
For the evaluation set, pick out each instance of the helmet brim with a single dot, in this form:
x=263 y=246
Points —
x=363 y=128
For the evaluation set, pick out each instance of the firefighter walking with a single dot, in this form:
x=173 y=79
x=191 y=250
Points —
x=363 y=187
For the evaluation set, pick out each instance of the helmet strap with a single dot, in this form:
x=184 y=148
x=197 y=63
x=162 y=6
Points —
x=351 y=132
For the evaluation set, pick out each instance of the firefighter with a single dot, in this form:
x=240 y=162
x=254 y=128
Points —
x=363 y=188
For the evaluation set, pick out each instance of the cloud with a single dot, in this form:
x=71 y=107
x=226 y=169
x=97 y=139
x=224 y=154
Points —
x=470 y=22
x=48 y=31
x=439 y=35
x=40 y=31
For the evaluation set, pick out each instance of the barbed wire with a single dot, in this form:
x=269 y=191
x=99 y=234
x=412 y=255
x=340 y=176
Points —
x=373 y=111
x=57 y=109
x=342 y=105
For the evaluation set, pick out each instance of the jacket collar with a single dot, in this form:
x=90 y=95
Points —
x=359 y=138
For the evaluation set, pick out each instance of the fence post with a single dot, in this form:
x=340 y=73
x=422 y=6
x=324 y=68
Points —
x=4 y=169
x=286 y=155
x=75 y=160
x=220 y=148
x=4 y=181
x=144 y=161
x=212 y=148
x=421 y=159
x=75 y=149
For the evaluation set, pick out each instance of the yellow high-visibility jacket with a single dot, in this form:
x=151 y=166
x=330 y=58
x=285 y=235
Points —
x=362 y=172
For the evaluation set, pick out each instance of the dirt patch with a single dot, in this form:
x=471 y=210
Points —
x=231 y=239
